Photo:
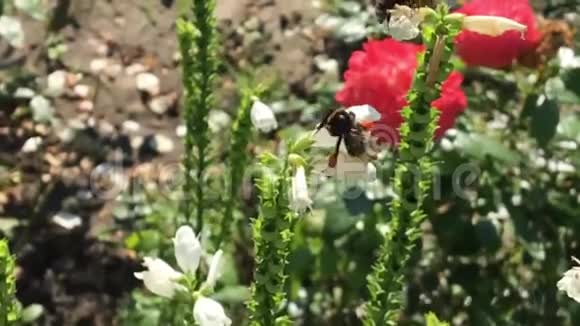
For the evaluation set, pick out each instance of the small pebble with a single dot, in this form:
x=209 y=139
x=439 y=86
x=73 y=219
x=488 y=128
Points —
x=148 y=83
x=160 y=105
x=67 y=221
x=98 y=65
x=113 y=70
x=42 y=110
x=23 y=92
x=162 y=144
x=180 y=131
x=56 y=83
x=86 y=106
x=31 y=145
x=135 y=69
x=130 y=126
x=82 y=91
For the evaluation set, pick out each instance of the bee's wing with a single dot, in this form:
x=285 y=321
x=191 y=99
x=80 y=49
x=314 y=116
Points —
x=364 y=113
x=322 y=138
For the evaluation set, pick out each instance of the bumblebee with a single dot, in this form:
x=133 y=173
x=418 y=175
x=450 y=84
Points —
x=343 y=125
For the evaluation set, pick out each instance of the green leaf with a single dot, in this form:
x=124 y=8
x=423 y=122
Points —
x=570 y=127
x=571 y=79
x=545 y=119
x=488 y=235
x=232 y=294
x=432 y=320
x=34 y=8
x=557 y=89
x=481 y=146
x=32 y=313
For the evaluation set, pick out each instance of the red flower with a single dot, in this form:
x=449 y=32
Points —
x=381 y=76
x=498 y=52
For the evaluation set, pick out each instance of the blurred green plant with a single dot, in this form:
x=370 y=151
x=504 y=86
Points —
x=273 y=233
x=238 y=159
x=10 y=312
x=413 y=170
x=197 y=41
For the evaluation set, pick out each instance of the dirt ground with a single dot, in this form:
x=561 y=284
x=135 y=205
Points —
x=77 y=278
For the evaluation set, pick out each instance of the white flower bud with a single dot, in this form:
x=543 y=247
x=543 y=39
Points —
x=492 y=25
x=187 y=249
x=214 y=269
x=159 y=277
x=299 y=198
x=208 y=312
x=263 y=117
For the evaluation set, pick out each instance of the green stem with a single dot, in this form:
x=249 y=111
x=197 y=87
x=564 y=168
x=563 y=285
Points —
x=238 y=159
x=273 y=234
x=197 y=41
x=412 y=174
x=9 y=306
x=267 y=291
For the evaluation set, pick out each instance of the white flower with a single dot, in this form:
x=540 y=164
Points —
x=187 y=249
x=11 y=30
x=492 y=25
x=570 y=282
x=568 y=59
x=215 y=269
x=263 y=117
x=404 y=23
x=208 y=312
x=299 y=198
x=160 y=278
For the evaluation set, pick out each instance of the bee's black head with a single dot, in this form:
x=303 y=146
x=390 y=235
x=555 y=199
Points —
x=340 y=123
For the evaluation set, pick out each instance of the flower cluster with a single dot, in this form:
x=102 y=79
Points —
x=498 y=51
x=161 y=279
x=381 y=75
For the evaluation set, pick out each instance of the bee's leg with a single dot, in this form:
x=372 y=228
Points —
x=332 y=160
x=324 y=120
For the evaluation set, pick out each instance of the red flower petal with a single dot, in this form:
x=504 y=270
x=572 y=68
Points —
x=381 y=76
x=497 y=52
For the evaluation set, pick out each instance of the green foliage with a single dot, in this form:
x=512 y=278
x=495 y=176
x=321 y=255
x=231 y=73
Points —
x=432 y=320
x=238 y=156
x=273 y=234
x=411 y=180
x=9 y=306
x=544 y=121
x=197 y=40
